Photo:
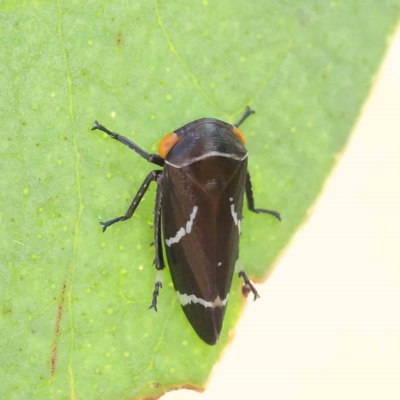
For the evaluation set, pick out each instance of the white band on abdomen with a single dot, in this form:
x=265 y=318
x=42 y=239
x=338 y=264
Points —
x=186 y=299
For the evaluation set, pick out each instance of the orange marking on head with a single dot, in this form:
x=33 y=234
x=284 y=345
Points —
x=239 y=134
x=167 y=143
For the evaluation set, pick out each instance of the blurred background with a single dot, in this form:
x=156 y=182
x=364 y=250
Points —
x=327 y=325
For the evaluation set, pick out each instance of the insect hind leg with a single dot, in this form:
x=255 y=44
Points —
x=248 y=286
x=159 y=258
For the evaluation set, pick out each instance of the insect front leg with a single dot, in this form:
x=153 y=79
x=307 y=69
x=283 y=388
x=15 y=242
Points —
x=159 y=258
x=153 y=158
x=250 y=201
x=152 y=176
x=246 y=115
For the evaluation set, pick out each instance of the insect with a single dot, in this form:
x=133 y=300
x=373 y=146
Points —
x=197 y=215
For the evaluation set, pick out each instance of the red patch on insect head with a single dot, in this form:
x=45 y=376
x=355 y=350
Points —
x=167 y=143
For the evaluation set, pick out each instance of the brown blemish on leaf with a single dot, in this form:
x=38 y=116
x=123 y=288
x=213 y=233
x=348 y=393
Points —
x=6 y=310
x=57 y=330
x=119 y=38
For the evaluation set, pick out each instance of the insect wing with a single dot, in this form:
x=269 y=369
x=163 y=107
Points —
x=202 y=212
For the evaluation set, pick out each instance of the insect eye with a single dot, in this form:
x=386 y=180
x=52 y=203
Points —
x=167 y=143
x=239 y=134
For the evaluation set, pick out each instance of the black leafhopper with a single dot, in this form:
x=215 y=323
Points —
x=198 y=214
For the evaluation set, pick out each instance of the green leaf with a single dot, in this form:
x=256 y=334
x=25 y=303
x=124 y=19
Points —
x=74 y=301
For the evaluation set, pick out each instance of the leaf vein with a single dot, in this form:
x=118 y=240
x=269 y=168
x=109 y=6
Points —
x=72 y=268
x=175 y=52
x=267 y=80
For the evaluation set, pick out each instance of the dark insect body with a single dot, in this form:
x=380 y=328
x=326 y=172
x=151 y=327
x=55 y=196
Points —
x=198 y=214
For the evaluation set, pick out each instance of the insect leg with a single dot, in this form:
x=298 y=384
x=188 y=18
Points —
x=159 y=258
x=248 y=284
x=250 y=200
x=152 y=176
x=153 y=158
x=247 y=114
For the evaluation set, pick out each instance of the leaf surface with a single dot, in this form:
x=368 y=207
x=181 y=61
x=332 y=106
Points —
x=74 y=319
